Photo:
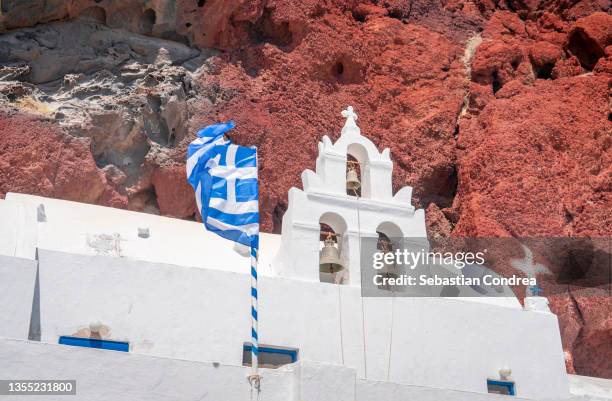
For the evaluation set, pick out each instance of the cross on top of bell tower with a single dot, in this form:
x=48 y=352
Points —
x=350 y=126
x=349 y=113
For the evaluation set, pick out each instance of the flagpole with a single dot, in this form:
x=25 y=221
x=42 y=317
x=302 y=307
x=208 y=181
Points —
x=204 y=164
x=254 y=377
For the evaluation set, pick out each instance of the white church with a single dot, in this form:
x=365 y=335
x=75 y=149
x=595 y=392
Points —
x=135 y=306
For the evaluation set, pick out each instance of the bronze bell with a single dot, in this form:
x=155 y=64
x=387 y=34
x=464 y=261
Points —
x=329 y=259
x=388 y=269
x=352 y=180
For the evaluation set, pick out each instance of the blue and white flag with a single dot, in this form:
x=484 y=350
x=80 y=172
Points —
x=224 y=177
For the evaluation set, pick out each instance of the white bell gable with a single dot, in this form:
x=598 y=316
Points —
x=324 y=199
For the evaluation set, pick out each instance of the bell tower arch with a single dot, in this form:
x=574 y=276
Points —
x=334 y=249
x=354 y=180
x=325 y=199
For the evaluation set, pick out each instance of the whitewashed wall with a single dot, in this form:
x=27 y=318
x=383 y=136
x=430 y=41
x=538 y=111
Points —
x=18 y=232
x=17 y=268
x=17 y=280
x=590 y=388
x=201 y=314
x=111 y=375
x=116 y=376
x=80 y=228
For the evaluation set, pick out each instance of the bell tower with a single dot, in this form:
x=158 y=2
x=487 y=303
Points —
x=347 y=197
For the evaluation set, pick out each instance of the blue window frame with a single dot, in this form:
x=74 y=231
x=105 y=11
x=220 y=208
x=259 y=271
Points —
x=500 y=387
x=95 y=343
x=269 y=356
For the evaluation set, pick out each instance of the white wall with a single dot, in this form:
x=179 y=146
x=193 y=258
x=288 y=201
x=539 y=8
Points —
x=201 y=314
x=81 y=228
x=112 y=375
x=17 y=280
x=163 y=310
x=369 y=390
x=17 y=267
x=18 y=229
x=472 y=342
x=591 y=388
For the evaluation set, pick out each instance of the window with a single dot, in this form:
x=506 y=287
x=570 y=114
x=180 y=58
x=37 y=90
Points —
x=270 y=357
x=95 y=343
x=500 y=387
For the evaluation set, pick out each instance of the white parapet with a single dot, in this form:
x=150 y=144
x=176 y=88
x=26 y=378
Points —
x=18 y=241
x=111 y=375
x=18 y=233
x=537 y=304
x=17 y=298
x=84 y=229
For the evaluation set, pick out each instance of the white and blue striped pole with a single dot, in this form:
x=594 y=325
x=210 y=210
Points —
x=211 y=158
x=254 y=337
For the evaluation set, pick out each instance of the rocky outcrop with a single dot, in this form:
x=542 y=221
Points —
x=496 y=112
x=128 y=94
x=530 y=164
x=589 y=37
x=534 y=156
x=36 y=158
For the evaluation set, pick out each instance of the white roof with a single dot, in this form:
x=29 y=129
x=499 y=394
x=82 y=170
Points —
x=80 y=228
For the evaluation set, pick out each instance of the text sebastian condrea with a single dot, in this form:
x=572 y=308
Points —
x=424 y=279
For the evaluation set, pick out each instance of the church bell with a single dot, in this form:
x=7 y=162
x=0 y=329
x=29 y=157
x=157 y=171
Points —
x=388 y=270
x=329 y=259
x=352 y=180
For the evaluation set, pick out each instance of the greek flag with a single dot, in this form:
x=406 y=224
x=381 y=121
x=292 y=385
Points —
x=224 y=177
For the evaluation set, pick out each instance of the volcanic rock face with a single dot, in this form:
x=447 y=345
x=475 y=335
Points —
x=496 y=112
x=126 y=94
